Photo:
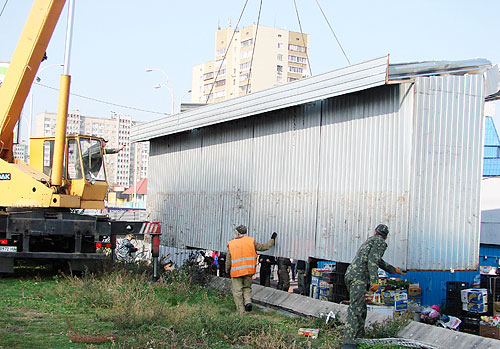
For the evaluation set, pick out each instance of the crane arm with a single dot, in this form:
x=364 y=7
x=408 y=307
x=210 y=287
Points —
x=23 y=67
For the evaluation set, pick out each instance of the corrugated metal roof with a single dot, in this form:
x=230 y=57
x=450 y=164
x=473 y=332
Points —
x=338 y=82
x=400 y=71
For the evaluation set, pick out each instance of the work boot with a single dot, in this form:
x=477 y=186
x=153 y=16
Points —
x=248 y=307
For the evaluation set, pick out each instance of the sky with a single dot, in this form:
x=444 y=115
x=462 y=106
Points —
x=114 y=42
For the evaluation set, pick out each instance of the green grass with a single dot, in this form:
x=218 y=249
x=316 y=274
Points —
x=122 y=309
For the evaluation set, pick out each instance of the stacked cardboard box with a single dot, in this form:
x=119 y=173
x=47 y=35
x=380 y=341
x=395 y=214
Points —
x=328 y=283
x=415 y=294
x=398 y=298
x=474 y=300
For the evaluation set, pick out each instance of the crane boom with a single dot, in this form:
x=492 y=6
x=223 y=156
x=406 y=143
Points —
x=24 y=65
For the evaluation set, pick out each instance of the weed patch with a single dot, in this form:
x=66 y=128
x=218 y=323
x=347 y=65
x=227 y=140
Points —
x=122 y=309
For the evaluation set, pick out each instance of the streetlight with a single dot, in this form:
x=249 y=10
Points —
x=37 y=79
x=184 y=95
x=167 y=84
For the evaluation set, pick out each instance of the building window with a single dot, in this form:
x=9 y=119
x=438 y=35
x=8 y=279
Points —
x=208 y=76
x=279 y=68
x=245 y=87
x=279 y=57
x=244 y=77
x=293 y=69
x=222 y=72
x=207 y=86
x=219 y=83
x=279 y=79
x=297 y=59
x=220 y=51
x=245 y=66
x=290 y=79
x=279 y=35
x=246 y=54
x=220 y=94
x=218 y=63
x=247 y=42
x=296 y=48
x=280 y=45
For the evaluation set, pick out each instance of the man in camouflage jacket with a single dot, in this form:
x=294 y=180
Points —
x=361 y=276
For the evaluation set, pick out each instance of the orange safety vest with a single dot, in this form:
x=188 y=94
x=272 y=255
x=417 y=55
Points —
x=243 y=256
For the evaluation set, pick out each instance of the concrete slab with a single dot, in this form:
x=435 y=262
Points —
x=432 y=335
x=444 y=338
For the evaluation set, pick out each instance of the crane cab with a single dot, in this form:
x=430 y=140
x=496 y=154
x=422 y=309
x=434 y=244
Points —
x=84 y=174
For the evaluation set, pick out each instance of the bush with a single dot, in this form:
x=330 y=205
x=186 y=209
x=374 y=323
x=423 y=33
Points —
x=389 y=328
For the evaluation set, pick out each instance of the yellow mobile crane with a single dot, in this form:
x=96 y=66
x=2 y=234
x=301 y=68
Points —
x=37 y=221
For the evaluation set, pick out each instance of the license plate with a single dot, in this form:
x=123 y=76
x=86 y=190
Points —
x=8 y=248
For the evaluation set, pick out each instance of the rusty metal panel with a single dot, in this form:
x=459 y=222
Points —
x=446 y=172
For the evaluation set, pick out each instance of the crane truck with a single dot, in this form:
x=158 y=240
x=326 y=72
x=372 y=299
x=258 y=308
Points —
x=40 y=202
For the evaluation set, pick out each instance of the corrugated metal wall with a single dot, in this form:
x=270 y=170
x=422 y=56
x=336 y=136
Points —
x=325 y=173
x=365 y=172
x=446 y=172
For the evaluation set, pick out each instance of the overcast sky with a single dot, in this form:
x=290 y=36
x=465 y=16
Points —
x=115 y=41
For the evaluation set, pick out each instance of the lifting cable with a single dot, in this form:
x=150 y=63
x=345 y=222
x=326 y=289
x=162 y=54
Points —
x=338 y=41
x=3 y=8
x=253 y=49
x=225 y=53
x=303 y=38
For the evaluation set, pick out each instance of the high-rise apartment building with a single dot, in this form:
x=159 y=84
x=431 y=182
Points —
x=121 y=168
x=279 y=56
x=21 y=151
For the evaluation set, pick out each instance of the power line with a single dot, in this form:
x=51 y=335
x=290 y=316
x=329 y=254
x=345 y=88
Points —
x=105 y=102
x=303 y=38
x=253 y=49
x=338 y=41
x=225 y=53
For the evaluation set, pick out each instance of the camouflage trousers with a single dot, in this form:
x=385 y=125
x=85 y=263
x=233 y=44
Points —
x=301 y=281
x=283 y=280
x=242 y=291
x=356 y=314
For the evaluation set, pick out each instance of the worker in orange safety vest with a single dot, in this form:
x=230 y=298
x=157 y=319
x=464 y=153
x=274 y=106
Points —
x=241 y=262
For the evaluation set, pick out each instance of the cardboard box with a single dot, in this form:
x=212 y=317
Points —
x=414 y=290
x=394 y=295
x=475 y=308
x=323 y=283
x=416 y=301
x=401 y=305
x=474 y=295
x=489 y=331
x=309 y=332
x=315 y=280
x=317 y=272
x=325 y=291
x=496 y=308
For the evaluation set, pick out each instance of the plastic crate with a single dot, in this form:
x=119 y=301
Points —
x=342 y=267
x=489 y=331
x=453 y=289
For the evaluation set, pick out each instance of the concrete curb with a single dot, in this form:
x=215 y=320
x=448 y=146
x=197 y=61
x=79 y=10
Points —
x=432 y=335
